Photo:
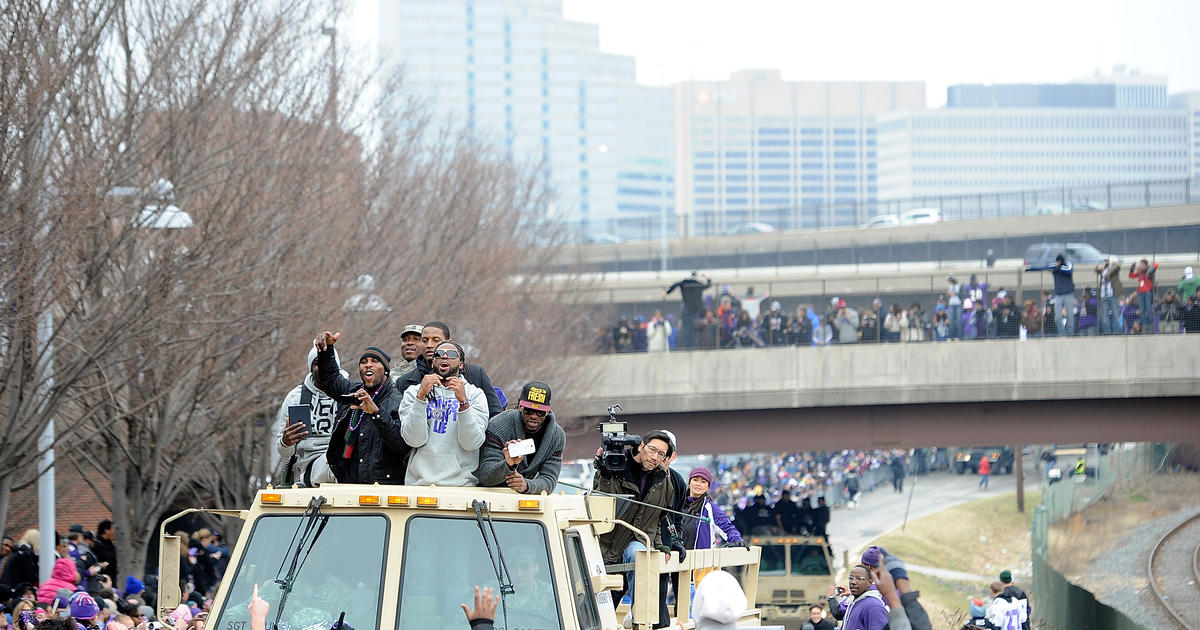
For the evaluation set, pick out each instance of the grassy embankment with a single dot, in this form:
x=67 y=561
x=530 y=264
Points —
x=981 y=538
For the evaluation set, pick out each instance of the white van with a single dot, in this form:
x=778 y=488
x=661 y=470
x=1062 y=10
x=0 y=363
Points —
x=921 y=216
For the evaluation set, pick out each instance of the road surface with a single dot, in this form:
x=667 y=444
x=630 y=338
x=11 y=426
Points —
x=882 y=511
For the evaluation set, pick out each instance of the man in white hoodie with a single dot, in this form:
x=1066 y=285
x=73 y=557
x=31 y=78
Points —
x=302 y=450
x=444 y=419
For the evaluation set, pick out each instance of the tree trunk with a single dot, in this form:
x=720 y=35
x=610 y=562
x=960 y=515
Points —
x=118 y=476
x=5 y=495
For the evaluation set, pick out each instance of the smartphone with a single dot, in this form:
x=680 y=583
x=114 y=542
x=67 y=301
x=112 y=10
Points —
x=300 y=413
x=524 y=447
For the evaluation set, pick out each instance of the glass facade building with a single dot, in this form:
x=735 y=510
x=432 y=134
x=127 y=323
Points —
x=758 y=149
x=1027 y=137
x=518 y=75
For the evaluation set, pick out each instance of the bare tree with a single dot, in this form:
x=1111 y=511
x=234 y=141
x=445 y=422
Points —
x=154 y=321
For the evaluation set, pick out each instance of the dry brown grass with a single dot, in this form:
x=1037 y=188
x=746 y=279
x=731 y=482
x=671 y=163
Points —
x=981 y=538
x=1075 y=543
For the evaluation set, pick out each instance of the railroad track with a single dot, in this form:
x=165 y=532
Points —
x=1174 y=572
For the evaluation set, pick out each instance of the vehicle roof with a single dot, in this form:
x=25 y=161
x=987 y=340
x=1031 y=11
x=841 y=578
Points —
x=448 y=499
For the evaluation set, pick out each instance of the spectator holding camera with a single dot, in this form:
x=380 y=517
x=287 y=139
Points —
x=532 y=423
x=1144 y=272
x=1170 y=313
x=658 y=334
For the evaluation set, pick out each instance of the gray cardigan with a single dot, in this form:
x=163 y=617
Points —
x=540 y=469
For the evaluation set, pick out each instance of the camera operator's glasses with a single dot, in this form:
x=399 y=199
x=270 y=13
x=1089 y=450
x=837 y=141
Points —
x=448 y=353
x=533 y=412
x=654 y=451
x=856 y=578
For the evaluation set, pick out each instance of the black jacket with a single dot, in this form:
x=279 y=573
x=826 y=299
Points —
x=22 y=566
x=380 y=453
x=474 y=374
x=105 y=551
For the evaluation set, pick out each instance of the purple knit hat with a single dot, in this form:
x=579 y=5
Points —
x=871 y=557
x=701 y=472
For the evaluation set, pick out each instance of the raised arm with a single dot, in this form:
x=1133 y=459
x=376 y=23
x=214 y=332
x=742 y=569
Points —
x=473 y=421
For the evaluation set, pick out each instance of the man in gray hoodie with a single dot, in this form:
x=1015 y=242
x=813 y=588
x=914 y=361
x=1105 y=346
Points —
x=532 y=420
x=299 y=447
x=444 y=419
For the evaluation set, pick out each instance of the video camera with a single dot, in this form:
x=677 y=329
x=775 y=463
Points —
x=613 y=441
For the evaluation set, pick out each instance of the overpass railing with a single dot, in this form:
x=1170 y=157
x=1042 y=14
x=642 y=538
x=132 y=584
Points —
x=1044 y=201
x=858 y=291
x=1058 y=603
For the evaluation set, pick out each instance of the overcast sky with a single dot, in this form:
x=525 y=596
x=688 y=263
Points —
x=940 y=42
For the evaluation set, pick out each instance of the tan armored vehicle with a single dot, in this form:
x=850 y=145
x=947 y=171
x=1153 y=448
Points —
x=405 y=558
x=793 y=573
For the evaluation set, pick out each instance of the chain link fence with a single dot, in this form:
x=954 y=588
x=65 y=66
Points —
x=1057 y=603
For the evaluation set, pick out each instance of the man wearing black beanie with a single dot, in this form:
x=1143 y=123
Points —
x=366 y=445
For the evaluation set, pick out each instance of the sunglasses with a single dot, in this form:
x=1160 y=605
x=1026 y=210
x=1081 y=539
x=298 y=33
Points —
x=448 y=353
x=533 y=412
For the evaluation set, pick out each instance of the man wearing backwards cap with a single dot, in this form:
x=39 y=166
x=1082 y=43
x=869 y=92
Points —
x=301 y=450
x=532 y=420
x=365 y=445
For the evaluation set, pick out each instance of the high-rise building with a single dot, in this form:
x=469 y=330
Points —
x=519 y=75
x=793 y=154
x=989 y=139
x=1190 y=102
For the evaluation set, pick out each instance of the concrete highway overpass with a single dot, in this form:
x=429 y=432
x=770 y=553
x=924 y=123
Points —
x=1148 y=230
x=1040 y=391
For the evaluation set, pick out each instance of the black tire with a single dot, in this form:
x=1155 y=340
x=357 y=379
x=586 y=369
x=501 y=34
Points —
x=960 y=468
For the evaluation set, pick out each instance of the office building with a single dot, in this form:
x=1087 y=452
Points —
x=793 y=154
x=988 y=139
x=1190 y=102
x=518 y=75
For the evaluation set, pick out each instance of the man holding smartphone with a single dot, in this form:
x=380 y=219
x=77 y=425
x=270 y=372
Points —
x=524 y=446
x=305 y=421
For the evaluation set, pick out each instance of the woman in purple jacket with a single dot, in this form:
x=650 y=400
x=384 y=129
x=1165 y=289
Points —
x=712 y=527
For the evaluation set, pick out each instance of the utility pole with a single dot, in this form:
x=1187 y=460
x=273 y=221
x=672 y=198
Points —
x=1019 y=470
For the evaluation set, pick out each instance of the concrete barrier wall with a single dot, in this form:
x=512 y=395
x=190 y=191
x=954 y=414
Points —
x=899 y=373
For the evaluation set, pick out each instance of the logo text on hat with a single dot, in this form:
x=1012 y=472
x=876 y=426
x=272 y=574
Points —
x=537 y=394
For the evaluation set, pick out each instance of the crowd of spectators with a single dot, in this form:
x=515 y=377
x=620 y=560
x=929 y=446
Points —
x=964 y=311
x=83 y=588
x=757 y=488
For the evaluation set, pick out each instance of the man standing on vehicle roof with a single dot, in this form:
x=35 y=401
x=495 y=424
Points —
x=433 y=334
x=365 y=445
x=644 y=478
x=532 y=420
x=444 y=419
x=411 y=347
x=299 y=448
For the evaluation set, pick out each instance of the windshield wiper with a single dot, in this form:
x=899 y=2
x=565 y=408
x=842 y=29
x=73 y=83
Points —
x=311 y=516
x=500 y=568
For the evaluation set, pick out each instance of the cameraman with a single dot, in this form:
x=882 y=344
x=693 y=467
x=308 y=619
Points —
x=641 y=475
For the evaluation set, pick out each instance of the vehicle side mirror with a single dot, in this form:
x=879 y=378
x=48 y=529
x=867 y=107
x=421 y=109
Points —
x=169 y=594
